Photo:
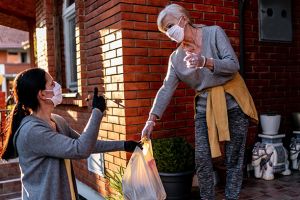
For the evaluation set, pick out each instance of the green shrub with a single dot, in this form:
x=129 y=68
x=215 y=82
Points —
x=115 y=182
x=173 y=155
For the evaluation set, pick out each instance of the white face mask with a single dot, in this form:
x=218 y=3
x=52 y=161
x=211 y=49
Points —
x=176 y=32
x=57 y=94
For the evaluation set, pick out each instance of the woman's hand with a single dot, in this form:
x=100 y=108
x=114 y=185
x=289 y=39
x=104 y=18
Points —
x=129 y=146
x=148 y=128
x=194 y=60
x=98 y=101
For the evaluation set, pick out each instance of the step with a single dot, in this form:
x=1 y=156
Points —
x=9 y=186
x=11 y=196
x=9 y=170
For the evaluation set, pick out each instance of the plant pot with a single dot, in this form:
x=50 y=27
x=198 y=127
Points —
x=177 y=185
x=296 y=121
x=270 y=123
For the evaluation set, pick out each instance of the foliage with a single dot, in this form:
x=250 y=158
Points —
x=115 y=182
x=173 y=155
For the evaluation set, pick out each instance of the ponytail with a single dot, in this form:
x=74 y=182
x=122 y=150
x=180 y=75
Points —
x=12 y=124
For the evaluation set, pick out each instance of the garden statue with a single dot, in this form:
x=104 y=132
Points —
x=268 y=159
x=294 y=153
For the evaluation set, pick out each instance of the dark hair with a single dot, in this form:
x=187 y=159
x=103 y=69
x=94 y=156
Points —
x=26 y=86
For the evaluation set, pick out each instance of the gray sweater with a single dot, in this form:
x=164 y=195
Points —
x=216 y=45
x=42 y=151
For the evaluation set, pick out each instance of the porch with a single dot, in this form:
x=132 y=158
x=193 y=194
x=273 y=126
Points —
x=281 y=188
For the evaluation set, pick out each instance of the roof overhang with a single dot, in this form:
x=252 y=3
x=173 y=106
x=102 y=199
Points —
x=24 y=9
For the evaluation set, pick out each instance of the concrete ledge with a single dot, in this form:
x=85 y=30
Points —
x=87 y=192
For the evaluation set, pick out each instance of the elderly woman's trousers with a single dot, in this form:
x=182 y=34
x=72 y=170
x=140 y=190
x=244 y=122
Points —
x=234 y=155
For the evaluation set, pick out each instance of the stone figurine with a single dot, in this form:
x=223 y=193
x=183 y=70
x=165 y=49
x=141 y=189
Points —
x=294 y=153
x=268 y=159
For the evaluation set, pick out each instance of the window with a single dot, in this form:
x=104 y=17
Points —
x=70 y=44
x=69 y=2
x=24 y=57
x=96 y=163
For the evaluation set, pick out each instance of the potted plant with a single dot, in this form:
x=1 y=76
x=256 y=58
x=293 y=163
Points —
x=174 y=158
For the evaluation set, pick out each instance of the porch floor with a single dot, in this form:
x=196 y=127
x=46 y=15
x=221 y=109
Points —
x=281 y=188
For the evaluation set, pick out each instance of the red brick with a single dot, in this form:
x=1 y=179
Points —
x=224 y=10
x=145 y=9
x=134 y=51
x=157 y=36
x=160 y=3
x=128 y=60
x=228 y=18
x=126 y=34
x=147 y=43
x=214 y=2
x=145 y=26
x=131 y=129
x=136 y=86
x=213 y=17
x=135 y=120
x=147 y=60
x=204 y=8
x=138 y=103
x=159 y=52
x=134 y=16
x=146 y=93
x=168 y=45
x=147 y=77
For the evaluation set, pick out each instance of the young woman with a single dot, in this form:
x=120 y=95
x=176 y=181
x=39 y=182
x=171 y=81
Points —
x=44 y=141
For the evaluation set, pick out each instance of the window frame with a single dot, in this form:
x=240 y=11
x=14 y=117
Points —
x=68 y=14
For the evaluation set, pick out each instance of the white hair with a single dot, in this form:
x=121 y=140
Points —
x=173 y=9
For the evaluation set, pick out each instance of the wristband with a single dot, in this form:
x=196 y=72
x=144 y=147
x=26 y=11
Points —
x=204 y=61
x=150 y=122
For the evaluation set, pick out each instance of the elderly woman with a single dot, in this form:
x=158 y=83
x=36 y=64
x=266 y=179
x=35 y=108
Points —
x=206 y=62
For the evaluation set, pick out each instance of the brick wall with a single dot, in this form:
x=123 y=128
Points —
x=272 y=68
x=103 y=61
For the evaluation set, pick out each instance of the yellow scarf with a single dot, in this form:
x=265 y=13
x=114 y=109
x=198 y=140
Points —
x=216 y=110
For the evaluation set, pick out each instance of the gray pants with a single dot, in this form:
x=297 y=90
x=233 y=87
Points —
x=234 y=155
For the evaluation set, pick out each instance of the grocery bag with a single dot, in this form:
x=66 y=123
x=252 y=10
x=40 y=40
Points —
x=141 y=180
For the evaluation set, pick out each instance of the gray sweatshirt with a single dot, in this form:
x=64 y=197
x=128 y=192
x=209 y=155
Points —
x=216 y=45
x=42 y=151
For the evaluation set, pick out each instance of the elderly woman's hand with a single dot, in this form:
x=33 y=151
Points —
x=148 y=128
x=194 y=60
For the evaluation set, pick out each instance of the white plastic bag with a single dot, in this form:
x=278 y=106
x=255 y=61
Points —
x=141 y=180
